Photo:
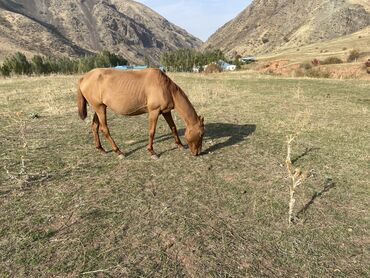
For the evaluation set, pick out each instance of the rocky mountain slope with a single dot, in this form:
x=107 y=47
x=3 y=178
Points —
x=271 y=25
x=77 y=27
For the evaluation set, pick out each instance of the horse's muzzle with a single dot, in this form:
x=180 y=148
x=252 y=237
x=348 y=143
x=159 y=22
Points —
x=198 y=152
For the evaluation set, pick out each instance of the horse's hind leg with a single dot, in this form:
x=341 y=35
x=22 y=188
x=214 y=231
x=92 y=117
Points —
x=153 y=118
x=171 y=124
x=95 y=131
x=101 y=111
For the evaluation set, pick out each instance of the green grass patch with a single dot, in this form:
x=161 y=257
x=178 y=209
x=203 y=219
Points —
x=67 y=210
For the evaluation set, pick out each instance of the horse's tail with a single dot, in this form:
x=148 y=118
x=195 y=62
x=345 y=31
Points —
x=81 y=102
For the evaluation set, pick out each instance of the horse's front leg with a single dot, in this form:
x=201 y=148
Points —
x=153 y=118
x=171 y=124
x=95 y=130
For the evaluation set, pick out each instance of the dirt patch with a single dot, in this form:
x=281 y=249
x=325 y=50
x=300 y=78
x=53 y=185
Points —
x=346 y=71
x=279 y=67
x=338 y=71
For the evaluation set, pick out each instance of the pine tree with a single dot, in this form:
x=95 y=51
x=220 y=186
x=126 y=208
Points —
x=18 y=64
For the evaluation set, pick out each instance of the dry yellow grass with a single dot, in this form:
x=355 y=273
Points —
x=70 y=211
x=364 y=3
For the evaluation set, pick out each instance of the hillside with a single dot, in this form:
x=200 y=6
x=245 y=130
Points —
x=269 y=25
x=338 y=47
x=78 y=27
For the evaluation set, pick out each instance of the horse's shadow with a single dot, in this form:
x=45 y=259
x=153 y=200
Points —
x=233 y=132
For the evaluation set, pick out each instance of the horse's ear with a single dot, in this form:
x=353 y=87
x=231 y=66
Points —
x=201 y=120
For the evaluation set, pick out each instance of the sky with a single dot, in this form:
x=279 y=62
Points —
x=200 y=18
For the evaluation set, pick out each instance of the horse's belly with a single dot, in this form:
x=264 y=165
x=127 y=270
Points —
x=129 y=110
x=126 y=107
x=136 y=104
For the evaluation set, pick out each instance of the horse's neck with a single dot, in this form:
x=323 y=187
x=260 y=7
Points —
x=184 y=108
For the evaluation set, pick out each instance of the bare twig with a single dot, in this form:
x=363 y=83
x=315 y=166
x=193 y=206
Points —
x=23 y=177
x=296 y=176
x=97 y=271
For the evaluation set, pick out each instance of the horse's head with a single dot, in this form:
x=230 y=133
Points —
x=194 y=136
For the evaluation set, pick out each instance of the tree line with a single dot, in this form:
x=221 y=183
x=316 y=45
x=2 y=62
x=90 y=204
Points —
x=183 y=60
x=18 y=64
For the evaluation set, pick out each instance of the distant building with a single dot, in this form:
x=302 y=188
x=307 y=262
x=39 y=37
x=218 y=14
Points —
x=248 y=59
x=230 y=67
x=226 y=66
x=131 y=67
x=138 y=68
x=196 y=69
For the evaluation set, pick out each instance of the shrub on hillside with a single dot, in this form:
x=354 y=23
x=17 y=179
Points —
x=367 y=63
x=5 y=70
x=305 y=66
x=265 y=39
x=316 y=62
x=332 y=60
x=353 y=56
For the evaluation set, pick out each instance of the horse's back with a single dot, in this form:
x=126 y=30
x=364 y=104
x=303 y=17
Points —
x=127 y=92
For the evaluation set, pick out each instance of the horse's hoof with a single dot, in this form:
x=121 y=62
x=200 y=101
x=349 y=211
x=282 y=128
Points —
x=101 y=150
x=155 y=157
x=121 y=156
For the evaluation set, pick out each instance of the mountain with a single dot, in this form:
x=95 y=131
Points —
x=77 y=27
x=271 y=25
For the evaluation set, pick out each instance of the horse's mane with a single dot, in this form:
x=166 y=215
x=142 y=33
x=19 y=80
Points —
x=171 y=86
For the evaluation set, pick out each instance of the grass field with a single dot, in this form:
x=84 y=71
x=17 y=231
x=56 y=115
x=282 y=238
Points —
x=68 y=211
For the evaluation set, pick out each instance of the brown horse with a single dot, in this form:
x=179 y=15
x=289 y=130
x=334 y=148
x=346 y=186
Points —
x=133 y=93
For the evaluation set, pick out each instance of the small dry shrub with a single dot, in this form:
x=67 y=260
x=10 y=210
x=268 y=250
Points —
x=353 y=55
x=213 y=68
x=299 y=73
x=265 y=39
x=317 y=73
x=305 y=66
x=367 y=63
x=332 y=60
x=316 y=62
